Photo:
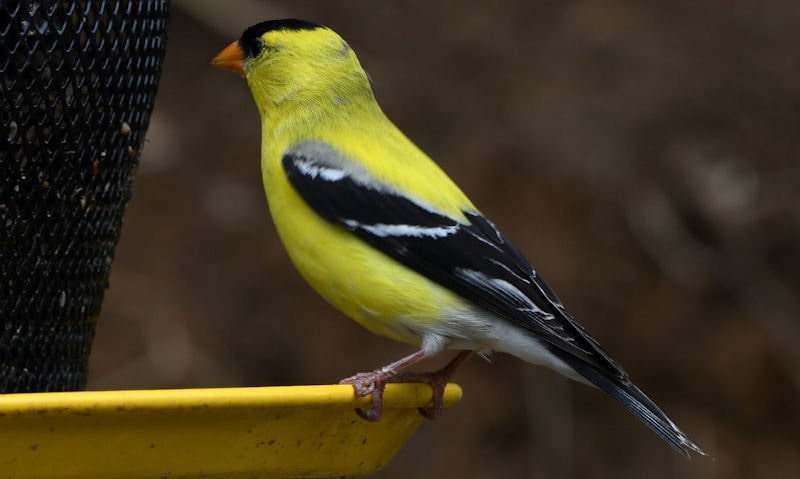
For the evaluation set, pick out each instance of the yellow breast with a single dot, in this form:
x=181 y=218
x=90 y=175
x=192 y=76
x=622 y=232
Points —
x=364 y=283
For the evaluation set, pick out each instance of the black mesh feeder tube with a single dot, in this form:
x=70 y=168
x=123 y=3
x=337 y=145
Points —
x=77 y=85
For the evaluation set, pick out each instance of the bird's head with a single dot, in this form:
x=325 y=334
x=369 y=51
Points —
x=294 y=62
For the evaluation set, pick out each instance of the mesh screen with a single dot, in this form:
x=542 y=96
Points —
x=77 y=84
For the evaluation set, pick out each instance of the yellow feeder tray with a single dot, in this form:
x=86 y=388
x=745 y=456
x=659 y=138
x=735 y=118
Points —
x=297 y=431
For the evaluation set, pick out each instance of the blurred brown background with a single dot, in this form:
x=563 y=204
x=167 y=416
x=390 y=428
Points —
x=643 y=154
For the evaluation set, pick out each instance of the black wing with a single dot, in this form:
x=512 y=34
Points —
x=474 y=260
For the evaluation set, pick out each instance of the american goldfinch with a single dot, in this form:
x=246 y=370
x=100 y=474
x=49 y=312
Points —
x=384 y=235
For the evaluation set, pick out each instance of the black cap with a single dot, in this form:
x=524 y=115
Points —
x=250 y=43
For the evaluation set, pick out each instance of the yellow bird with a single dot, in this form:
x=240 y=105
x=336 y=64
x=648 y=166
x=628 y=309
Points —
x=384 y=235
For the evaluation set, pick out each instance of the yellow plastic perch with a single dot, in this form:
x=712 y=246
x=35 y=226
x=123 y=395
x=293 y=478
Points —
x=297 y=431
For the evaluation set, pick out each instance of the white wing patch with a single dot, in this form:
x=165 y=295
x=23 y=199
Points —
x=314 y=169
x=320 y=160
x=499 y=264
x=384 y=230
x=484 y=240
x=503 y=288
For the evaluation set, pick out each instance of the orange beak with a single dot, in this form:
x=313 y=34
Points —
x=231 y=58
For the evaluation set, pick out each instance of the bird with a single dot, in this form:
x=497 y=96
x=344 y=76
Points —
x=383 y=234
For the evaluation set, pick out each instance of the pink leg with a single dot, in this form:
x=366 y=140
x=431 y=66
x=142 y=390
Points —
x=375 y=382
x=437 y=381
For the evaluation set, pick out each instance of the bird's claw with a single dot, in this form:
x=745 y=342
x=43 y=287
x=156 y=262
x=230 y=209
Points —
x=437 y=382
x=363 y=389
x=375 y=412
x=375 y=382
x=368 y=414
x=363 y=383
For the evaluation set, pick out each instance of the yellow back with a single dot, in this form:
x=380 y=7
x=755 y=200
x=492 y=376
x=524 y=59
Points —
x=309 y=85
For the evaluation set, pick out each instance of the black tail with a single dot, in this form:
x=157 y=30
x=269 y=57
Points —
x=640 y=405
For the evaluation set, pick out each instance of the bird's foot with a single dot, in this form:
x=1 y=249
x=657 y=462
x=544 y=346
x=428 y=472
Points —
x=374 y=383
x=437 y=380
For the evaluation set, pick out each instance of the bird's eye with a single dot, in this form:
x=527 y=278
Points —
x=252 y=47
x=258 y=47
